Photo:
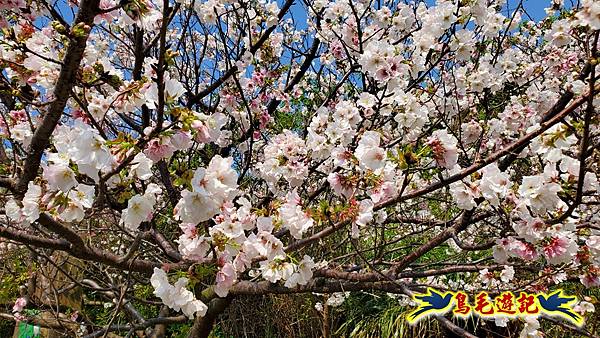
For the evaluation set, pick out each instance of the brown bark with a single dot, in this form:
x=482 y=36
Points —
x=326 y=321
x=204 y=325
x=62 y=91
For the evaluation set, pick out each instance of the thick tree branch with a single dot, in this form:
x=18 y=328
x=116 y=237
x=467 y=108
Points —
x=66 y=79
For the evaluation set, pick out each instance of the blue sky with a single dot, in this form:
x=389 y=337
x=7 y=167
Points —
x=535 y=8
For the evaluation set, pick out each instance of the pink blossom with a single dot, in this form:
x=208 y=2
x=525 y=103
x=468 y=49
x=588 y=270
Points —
x=560 y=250
x=202 y=132
x=19 y=115
x=80 y=114
x=265 y=118
x=444 y=148
x=241 y=262
x=341 y=185
x=20 y=304
x=523 y=250
x=591 y=278
x=225 y=279
x=159 y=149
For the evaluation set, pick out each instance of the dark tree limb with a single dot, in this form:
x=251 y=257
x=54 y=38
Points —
x=66 y=79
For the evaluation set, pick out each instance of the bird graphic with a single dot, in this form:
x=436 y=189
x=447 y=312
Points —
x=430 y=302
x=558 y=304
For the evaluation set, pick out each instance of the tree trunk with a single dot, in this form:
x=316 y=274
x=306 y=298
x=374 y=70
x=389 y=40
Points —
x=326 y=321
x=160 y=329
x=204 y=325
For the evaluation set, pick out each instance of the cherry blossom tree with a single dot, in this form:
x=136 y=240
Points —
x=211 y=149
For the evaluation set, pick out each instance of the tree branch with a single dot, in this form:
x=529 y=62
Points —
x=66 y=79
